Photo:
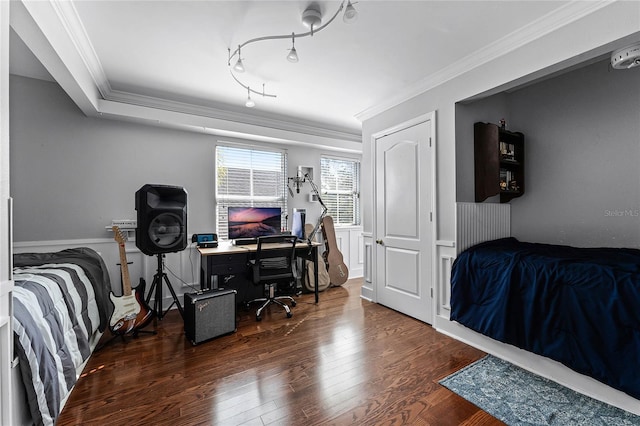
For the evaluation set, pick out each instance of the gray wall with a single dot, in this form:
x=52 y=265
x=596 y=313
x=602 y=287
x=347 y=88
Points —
x=71 y=174
x=582 y=138
x=583 y=146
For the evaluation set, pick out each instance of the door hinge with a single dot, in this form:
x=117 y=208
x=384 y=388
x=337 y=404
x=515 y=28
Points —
x=429 y=142
x=430 y=216
x=431 y=292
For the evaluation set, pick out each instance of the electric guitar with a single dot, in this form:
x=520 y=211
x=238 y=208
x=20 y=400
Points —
x=338 y=271
x=130 y=311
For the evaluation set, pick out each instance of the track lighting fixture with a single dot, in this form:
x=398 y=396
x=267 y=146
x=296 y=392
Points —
x=312 y=18
x=350 y=13
x=249 y=103
x=293 y=55
x=239 y=66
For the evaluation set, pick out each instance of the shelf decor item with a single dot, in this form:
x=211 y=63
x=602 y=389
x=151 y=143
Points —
x=499 y=162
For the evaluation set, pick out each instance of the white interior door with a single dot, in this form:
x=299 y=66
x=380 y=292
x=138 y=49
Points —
x=403 y=230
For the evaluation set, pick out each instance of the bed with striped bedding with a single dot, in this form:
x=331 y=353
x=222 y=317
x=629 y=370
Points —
x=60 y=305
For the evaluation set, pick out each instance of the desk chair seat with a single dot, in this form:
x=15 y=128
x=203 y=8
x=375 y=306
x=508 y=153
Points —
x=273 y=265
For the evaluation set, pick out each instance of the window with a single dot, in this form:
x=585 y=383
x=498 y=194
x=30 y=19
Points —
x=247 y=177
x=340 y=186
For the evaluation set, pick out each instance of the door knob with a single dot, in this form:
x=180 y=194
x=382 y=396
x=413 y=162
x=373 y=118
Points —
x=380 y=242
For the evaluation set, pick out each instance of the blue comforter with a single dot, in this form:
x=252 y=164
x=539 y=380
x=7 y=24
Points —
x=578 y=306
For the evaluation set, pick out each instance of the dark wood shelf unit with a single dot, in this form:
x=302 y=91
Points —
x=492 y=166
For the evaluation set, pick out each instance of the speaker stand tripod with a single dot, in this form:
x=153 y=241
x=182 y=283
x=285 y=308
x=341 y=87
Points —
x=157 y=285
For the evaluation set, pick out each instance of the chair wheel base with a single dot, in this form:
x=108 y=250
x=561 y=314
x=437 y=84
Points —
x=269 y=299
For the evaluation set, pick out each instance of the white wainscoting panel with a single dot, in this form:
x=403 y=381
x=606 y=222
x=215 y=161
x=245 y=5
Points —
x=366 y=291
x=479 y=222
x=446 y=254
x=446 y=261
x=350 y=243
x=182 y=268
x=356 y=247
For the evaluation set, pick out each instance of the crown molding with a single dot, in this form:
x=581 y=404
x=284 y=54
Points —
x=241 y=130
x=542 y=26
x=72 y=24
x=68 y=16
x=289 y=125
x=564 y=15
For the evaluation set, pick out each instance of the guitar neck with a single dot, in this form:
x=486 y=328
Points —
x=124 y=267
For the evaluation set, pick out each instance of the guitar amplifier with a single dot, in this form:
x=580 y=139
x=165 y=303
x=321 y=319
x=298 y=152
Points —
x=209 y=314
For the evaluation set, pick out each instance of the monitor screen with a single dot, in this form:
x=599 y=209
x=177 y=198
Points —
x=253 y=222
x=297 y=223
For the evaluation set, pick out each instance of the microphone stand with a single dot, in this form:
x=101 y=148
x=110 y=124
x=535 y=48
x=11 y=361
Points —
x=313 y=234
x=324 y=209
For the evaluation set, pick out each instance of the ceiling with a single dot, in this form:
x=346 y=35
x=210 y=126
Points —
x=178 y=51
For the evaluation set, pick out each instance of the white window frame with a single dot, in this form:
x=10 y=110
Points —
x=223 y=200
x=328 y=194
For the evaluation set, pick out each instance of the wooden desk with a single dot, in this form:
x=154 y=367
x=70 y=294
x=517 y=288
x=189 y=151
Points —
x=227 y=259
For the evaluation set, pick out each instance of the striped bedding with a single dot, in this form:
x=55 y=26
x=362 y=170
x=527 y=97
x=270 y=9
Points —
x=59 y=301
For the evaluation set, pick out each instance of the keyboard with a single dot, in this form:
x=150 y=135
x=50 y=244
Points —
x=254 y=240
x=245 y=241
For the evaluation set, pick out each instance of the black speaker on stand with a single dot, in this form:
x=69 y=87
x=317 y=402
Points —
x=162 y=228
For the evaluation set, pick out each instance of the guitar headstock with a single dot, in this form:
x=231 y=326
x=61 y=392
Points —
x=118 y=235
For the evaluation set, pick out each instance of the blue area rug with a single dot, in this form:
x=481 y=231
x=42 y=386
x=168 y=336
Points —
x=518 y=397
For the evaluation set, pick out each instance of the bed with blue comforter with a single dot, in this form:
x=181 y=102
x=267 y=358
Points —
x=60 y=305
x=578 y=306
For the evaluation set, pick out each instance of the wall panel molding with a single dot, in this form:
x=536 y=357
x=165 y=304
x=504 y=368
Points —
x=185 y=264
x=366 y=291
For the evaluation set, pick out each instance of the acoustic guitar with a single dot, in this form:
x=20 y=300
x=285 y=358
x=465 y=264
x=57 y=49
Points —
x=338 y=271
x=130 y=311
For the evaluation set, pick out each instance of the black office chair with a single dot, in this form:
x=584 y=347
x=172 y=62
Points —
x=273 y=265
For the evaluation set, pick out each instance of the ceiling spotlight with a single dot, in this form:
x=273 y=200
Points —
x=239 y=66
x=350 y=13
x=293 y=55
x=249 y=103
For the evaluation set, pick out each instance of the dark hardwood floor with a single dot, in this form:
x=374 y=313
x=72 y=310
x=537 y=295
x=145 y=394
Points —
x=343 y=361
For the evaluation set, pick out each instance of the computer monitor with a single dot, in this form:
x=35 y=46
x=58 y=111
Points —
x=253 y=222
x=297 y=223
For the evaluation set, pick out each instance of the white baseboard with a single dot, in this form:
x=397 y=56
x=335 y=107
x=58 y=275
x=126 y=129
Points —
x=541 y=366
x=366 y=293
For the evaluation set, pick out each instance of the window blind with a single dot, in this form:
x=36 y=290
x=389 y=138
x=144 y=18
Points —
x=340 y=186
x=247 y=177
